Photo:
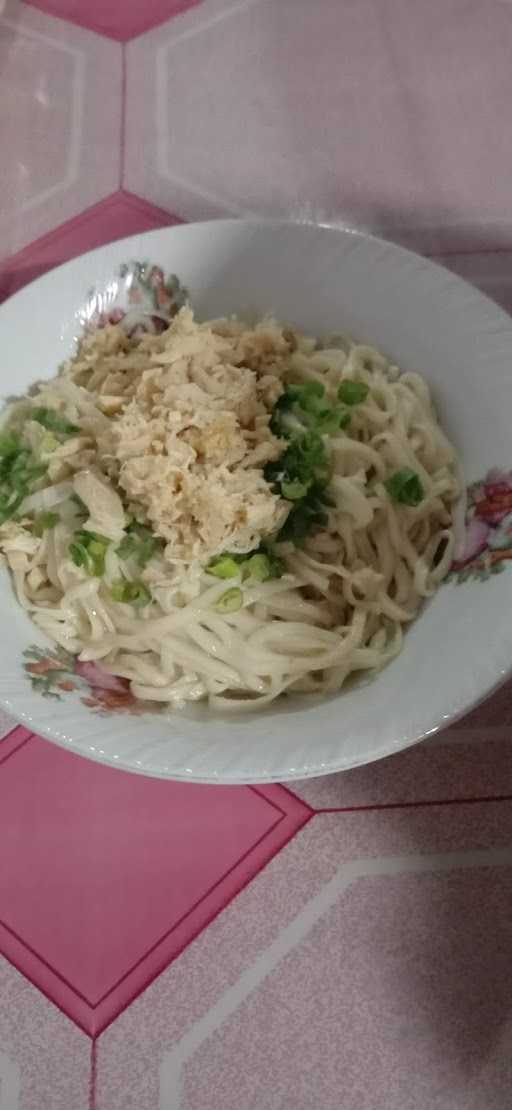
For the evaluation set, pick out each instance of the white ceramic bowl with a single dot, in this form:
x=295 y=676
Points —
x=321 y=280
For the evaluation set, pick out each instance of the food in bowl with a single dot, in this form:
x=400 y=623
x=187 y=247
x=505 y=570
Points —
x=226 y=512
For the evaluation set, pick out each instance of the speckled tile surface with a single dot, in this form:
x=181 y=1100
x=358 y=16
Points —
x=366 y=978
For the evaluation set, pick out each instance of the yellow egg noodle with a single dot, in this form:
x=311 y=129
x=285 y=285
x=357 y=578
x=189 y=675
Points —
x=226 y=512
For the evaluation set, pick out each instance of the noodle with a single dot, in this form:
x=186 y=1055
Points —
x=346 y=590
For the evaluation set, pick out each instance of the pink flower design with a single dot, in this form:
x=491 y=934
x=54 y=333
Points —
x=500 y=538
x=108 y=691
x=487 y=540
x=473 y=542
x=112 y=700
x=99 y=679
x=162 y=298
x=43 y=666
x=493 y=499
x=156 y=277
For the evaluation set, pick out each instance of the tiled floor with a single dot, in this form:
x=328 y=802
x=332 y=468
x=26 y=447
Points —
x=60 y=89
x=367 y=960
x=93 y=927
x=45 y=1060
x=170 y=947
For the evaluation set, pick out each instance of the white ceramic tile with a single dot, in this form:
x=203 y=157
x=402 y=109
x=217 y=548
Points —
x=60 y=89
x=45 y=1061
x=381 y=116
x=355 y=972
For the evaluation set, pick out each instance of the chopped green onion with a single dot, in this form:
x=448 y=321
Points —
x=224 y=566
x=276 y=565
x=131 y=593
x=306 y=516
x=332 y=420
x=230 y=601
x=310 y=396
x=305 y=391
x=9 y=444
x=294 y=489
x=53 y=422
x=19 y=473
x=303 y=406
x=353 y=393
x=43 y=521
x=79 y=554
x=305 y=459
x=88 y=550
x=259 y=567
x=305 y=417
x=405 y=487
x=260 y=564
x=139 y=544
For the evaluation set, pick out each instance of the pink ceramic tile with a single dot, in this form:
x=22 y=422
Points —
x=60 y=89
x=118 y=215
x=119 y=19
x=16 y=738
x=106 y=876
x=384 y=116
x=44 y=1058
x=472 y=759
x=356 y=971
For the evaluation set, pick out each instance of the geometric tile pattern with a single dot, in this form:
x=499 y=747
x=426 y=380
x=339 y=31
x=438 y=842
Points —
x=375 y=984
x=93 y=915
x=118 y=215
x=118 y=19
x=283 y=121
x=173 y=946
x=45 y=1060
x=60 y=89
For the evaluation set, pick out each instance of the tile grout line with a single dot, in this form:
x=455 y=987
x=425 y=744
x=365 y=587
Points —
x=94 y=1005
x=297 y=798
x=102 y=1028
x=422 y=804
x=95 y=1032
x=154 y=947
x=23 y=741
x=15 y=727
x=92 y=1075
x=49 y=997
x=255 y=788
x=288 y=938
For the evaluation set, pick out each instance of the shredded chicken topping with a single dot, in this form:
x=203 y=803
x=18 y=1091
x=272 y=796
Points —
x=182 y=424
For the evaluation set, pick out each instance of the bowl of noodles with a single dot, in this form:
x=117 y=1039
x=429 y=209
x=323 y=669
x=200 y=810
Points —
x=255 y=501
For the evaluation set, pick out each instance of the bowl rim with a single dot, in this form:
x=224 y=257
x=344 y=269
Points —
x=444 y=721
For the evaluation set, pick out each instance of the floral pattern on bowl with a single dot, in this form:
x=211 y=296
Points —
x=54 y=672
x=140 y=297
x=483 y=551
x=487 y=542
